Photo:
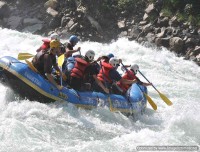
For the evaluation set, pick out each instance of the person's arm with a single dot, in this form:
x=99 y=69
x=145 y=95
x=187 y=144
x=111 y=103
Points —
x=69 y=52
x=99 y=58
x=126 y=66
x=64 y=77
x=143 y=83
x=115 y=76
x=51 y=79
x=57 y=68
x=125 y=81
x=48 y=70
x=146 y=84
x=100 y=84
x=61 y=73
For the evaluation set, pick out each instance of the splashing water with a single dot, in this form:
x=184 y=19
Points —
x=33 y=126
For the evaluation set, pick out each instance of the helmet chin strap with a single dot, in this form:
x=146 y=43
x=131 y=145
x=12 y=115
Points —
x=134 y=71
x=87 y=59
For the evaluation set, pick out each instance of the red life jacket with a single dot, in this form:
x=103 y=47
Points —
x=46 y=41
x=129 y=76
x=104 y=72
x=79 y=68
x=45 y=46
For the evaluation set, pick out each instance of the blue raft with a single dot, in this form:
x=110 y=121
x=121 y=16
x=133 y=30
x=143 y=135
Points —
x=19 y=77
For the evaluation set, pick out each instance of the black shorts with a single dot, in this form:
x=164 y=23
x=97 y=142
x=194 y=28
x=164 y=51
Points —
x=76 y=83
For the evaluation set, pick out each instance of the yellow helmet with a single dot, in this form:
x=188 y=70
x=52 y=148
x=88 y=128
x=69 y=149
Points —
x=54 y=44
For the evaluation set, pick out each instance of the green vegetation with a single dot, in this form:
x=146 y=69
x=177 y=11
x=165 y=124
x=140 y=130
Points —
x=126 y=4
x=181 y=17
x=186 y=10
x=167 y=12
x=120 y=5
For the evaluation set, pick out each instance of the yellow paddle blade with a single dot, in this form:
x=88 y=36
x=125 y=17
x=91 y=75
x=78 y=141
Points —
x=30 y=65
x=24 y=56
x=61 y=59
x=165 y=99
x=153 y=105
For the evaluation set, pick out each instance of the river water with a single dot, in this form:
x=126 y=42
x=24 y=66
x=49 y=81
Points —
x=32 y=126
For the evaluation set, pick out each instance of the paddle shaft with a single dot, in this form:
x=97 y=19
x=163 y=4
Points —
x=164 y=98
x=61 y=80
x=148 y=80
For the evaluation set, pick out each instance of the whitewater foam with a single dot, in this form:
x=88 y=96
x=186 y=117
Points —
x=33 y=126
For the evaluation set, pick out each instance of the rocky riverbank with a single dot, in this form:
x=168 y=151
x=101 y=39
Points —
x=101 y=21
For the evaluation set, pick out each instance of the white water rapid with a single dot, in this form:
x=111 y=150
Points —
x=32 y=126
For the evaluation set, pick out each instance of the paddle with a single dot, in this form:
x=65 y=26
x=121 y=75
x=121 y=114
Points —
x=61 y=59
x=164 y=98
x=109 y=100
x=30 y=65
x=24 y=56
x=151 y=102
x=79 y=50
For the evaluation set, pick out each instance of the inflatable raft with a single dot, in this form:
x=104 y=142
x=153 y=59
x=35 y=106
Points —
x=20 y=78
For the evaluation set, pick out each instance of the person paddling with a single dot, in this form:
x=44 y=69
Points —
x=108 y=75
x=106 y=58
x=44 y=61
x=68 y=49
x=69 y=46
x=131 y=75
x=82 y=68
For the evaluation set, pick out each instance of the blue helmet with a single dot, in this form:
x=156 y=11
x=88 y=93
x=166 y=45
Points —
x=73 y=39
x=110 y=55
